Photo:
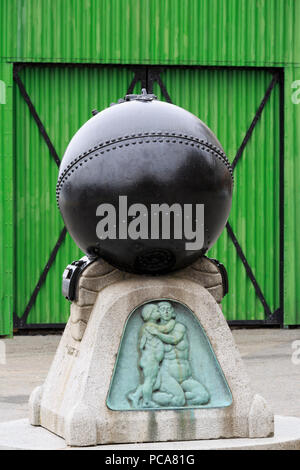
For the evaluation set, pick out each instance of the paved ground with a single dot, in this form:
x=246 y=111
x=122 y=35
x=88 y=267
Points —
x=267 y=354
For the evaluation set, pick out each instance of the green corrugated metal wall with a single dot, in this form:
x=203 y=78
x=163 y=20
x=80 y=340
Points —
x=207 y=32
x=6 y=199
x=260 y=33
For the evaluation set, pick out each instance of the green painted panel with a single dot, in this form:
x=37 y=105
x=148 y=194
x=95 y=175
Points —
x=226 y=100
x=291 y=196
x=6 y=199
x=64 y=98
x=207 y=32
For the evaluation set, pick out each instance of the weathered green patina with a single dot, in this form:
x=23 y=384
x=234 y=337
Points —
x=165 y=360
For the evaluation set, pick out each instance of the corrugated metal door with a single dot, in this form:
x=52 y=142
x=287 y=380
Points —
x=227 y=101
x=63 y=98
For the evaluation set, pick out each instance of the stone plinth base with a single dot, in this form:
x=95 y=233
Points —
x=85 y=398
x=19 y=435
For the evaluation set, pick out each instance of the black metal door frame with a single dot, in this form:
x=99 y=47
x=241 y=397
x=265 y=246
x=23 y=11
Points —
x=147 y=76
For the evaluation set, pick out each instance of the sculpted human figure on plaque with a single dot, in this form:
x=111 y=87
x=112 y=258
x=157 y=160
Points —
x=165 y=363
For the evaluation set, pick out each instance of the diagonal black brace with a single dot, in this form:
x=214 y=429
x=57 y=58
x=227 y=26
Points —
x=139 y=76
x=20 y=322
x=163 y=89
x=255 y=120
x=35 y=116
x=154 y=76
x=239 y=250
x=248 y=270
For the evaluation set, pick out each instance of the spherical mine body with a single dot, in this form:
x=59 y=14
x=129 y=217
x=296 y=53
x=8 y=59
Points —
x=157 y=166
